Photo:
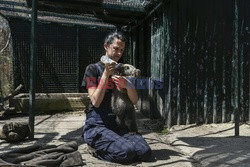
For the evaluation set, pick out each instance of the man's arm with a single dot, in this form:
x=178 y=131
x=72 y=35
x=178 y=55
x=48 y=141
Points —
x=96 y=94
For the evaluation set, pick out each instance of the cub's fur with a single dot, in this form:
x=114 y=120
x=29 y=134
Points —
x=120 y=102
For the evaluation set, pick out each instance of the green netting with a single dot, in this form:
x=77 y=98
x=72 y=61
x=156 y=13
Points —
x=63 y=52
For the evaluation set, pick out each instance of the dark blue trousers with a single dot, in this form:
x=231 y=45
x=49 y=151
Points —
x=117 y=147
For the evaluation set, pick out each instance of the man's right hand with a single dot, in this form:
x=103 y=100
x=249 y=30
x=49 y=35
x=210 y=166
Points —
x=109 y=69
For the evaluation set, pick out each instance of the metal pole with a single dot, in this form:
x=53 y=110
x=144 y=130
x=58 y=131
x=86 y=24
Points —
x=32 y=68
x=236 y=66
x=78 y=56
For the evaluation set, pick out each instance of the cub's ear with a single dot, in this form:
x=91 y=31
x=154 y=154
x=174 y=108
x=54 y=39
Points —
x=137 y=73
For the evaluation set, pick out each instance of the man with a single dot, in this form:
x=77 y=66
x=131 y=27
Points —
x=100 y=131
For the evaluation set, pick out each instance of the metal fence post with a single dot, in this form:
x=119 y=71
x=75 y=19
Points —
x=32 y=68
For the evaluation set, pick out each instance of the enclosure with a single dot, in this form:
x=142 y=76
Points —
x=51 y=102
x=194 y=55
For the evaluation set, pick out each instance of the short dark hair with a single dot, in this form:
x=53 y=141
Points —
x=114 y=35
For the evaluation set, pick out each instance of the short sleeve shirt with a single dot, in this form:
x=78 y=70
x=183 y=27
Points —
x=103 y=115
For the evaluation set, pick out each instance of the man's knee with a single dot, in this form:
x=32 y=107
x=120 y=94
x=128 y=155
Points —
x=145 y=153
x=125 y=154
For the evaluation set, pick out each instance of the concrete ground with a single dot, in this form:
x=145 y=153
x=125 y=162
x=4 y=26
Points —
x=184 y=146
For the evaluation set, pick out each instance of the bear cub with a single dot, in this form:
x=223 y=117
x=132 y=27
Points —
x=120 y=102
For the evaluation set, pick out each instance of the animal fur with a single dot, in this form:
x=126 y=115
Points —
x=120 y=102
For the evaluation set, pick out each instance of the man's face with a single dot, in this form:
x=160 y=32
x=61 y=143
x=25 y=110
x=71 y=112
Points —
x=115 y=50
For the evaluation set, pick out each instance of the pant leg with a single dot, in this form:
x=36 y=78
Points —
x=142 y=149
x=109 y=145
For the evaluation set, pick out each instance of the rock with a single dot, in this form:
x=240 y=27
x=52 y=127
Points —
x=15 y=131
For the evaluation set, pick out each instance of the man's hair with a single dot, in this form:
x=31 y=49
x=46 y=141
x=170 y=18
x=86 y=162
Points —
x=114 y=35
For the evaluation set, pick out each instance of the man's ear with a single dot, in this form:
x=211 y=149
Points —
x=105 y=46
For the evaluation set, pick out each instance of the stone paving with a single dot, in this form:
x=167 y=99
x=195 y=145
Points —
x=184 y=146
x=60 y=128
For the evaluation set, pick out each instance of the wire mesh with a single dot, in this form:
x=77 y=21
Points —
x=60 y=67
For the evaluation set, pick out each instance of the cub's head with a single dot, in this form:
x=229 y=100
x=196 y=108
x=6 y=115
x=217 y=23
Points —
x=127 y=70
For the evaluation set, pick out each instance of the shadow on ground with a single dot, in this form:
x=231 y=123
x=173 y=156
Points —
x=227 y=151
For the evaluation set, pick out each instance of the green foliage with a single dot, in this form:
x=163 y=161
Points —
x=163 y=131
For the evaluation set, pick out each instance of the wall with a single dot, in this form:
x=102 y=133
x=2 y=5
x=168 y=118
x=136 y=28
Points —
x=201 y=52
